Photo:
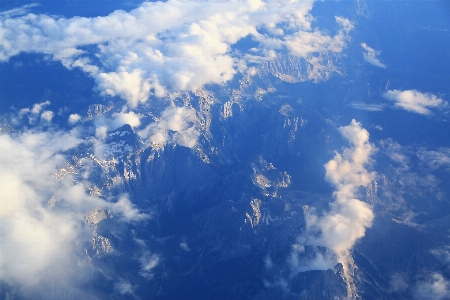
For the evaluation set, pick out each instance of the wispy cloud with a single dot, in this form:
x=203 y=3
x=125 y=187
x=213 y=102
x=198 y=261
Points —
x=436 y=287
x=435 y=159
x=177 y=45
x=367 y=106
x=415 y=101
x=370 y=55
x=17 y=11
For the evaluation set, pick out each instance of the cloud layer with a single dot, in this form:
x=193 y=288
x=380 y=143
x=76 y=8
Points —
x=415 y=101
x=177 y=45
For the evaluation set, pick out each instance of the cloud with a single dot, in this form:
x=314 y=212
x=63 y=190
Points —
x=367 y=106
x=120 y=119
x=34 y=239
x=104 y=124
x=177 y=124
x=43 y=214
x=435 y=159
x=127 y=209
x=17 y=11
x=74 y=118
x=371 y=56
x=34 y=113
x=395 y=152
x=124 y=287
x=303 y=43
x=415 y=101
x=148 y=262
x=436 y=287
x=398 y=282
x=47 y=116
x=348 y=218
x=171 y=46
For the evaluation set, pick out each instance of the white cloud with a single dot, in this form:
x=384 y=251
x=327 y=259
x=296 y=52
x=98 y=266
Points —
x=74 y=118
x=177 y=124
x=367 y=106
x=176 y=45
x=127 y=209
x=37 y=108
x=34 y=239
x=347 y=220
x=304 y=43
x=436 y=287
x=415 y=101
x=47 y=116
x=371 y=56
x=148 y=262
x=17 y=11
x=120 y=119
x=34 y=113
x=130 y=86
x=104 y=124
x=42 y=214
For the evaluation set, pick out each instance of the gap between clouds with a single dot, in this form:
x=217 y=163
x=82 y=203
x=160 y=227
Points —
x=177 y=45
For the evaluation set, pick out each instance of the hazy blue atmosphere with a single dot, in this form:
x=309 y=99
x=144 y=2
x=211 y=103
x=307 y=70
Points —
x=224 y=149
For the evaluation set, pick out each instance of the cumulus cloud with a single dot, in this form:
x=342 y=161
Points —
x=47 y=116
x=43 y=213
x=120 y=119
x=303 y=43
x=370 y=55
x=177 y=124
x=34 y=113
x=74 y=118
x=348 y=218
x=176 y=45
x=415 y=101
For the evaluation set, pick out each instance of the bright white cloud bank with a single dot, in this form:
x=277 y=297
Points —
x=415 y=101
x=370 y=55
x=171 y=46
x=42 y=215
x=346 y=222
